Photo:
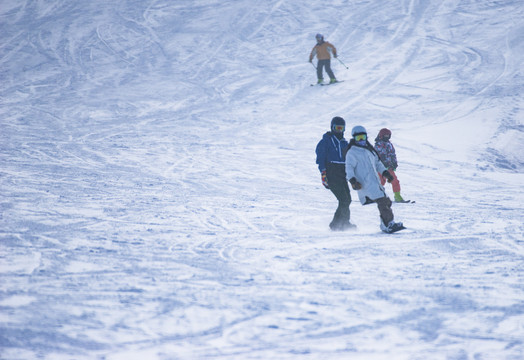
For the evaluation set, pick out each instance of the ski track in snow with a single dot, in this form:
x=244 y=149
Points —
x=160 y=198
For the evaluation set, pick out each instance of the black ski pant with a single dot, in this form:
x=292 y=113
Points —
x=336 y=177
x=327 y=64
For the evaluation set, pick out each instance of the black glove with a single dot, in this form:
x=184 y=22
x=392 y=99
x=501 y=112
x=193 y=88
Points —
x=387 y=175
x=395 y=166
x=355 y=184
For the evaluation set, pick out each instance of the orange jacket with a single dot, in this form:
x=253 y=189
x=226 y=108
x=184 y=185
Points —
x=323 y=51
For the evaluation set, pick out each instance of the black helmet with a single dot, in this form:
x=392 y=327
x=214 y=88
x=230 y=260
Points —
x=337 y=121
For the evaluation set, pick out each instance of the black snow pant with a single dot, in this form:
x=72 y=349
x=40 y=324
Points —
x=336 y=177
x=327 y=64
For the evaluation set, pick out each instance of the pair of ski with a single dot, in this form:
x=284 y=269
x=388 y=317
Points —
x=326 y=84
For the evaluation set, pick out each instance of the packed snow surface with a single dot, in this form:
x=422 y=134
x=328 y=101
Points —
x=160 y=197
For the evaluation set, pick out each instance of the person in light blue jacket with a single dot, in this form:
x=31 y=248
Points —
x=362 y=168
x=331 y=164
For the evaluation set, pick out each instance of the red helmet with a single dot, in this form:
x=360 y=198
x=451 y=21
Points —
x=384 y=134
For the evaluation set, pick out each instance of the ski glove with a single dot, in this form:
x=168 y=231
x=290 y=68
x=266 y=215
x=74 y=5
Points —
x=388 y=176
x=355 y=184
x=324 y=179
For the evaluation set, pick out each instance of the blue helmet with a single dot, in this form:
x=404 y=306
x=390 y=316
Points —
x=319 y=37
x=357 y=130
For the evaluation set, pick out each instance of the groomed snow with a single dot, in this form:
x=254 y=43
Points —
x=160 y=197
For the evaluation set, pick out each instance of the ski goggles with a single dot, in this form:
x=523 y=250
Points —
x=339 y=128
x=360 y=137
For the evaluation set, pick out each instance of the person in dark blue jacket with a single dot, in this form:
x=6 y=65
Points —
x=331 y=163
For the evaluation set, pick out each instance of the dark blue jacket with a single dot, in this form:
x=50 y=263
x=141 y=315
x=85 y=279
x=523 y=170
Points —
x=330 y=150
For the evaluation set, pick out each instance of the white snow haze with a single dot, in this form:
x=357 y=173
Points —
x=159 y=196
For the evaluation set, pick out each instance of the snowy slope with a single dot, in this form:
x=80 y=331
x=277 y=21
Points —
x=160 y=197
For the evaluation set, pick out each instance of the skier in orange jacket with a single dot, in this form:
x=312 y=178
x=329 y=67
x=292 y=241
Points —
x=323 y=51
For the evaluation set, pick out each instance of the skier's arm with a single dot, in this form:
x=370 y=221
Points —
x=312 y=54
x=394 y=163
x=351 y=163
x=321 y=155
x=350 y=166
x=332 y=49
x=381 y=150
x=381 y=168
x=379 y=165
x=321 y=161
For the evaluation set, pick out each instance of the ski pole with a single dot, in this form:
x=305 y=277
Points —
x=342 y=63
x=313 y=65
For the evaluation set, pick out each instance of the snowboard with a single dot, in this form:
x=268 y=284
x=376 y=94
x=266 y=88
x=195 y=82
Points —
x=395 y=229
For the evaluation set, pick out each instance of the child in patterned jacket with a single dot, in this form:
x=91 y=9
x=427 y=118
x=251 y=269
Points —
x=386 y=151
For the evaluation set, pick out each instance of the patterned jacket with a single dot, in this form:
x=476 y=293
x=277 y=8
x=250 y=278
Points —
x=387 y=154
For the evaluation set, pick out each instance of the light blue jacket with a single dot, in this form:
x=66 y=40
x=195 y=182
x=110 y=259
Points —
x=364 y=164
